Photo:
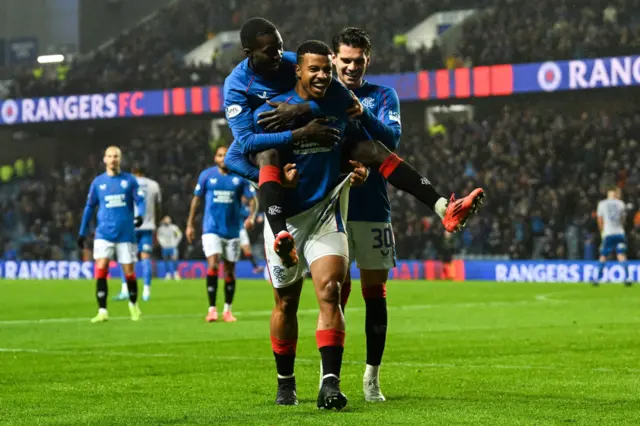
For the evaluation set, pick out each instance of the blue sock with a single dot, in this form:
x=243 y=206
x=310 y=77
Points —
x=600 y=270
x=147 y=271
x=172 y=267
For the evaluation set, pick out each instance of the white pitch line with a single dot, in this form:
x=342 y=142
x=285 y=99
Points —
x=315 y=361
x=538 y=298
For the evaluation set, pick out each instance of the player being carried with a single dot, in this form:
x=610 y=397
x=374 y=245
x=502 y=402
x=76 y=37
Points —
x=223 y=195
x=269 y=71
x=144 y=234
x=611 y=219
x=169 y=237
x=114 y=194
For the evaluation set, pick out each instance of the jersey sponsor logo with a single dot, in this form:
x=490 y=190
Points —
x=9 y=111
x=124 y=184
x=115 y=200
x=549 y=76
x=368 y=102
x=394 y=116
x=233 y=111
x=223 y=196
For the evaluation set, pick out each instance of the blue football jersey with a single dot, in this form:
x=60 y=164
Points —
x=381 y=120
x=245 y=91
x=222 y=194
x=114 y=196
x=318 y=166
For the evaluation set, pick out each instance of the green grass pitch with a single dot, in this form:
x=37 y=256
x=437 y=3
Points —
x=457 y=353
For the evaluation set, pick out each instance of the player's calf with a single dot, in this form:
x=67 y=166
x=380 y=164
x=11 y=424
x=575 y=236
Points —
x=374 y=295
x=102 y=292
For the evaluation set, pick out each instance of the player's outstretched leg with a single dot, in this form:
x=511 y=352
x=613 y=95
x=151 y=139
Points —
x=132 y=285
x=375 y=297
x=328 y=273
x=271 y=199
x=229 y=290
x=284 y=340
x=102 y=291
x=454 y=213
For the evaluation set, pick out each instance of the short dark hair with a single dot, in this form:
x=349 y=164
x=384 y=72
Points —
x=354 y=37
x=315 y=47
x=254 y=28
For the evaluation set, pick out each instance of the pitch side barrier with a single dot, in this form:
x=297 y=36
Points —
x=458 y=270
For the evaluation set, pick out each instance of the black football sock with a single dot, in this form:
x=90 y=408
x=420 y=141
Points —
x=270 y=196
x=212 y=287
x=406 y=178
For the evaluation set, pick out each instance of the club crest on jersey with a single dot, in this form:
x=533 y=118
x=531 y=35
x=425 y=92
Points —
x=233 y=110
x=124 y=184
x=368 y=102
x=394 y=116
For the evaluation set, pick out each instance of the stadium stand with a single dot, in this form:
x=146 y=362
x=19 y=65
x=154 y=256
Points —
x=544 y=170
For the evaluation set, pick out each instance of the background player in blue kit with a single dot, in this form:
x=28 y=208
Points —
x=223 y=195
x=114 y=193
x=317 y=209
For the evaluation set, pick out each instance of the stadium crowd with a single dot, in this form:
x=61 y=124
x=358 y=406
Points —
x=544 y=173
x=504 y=31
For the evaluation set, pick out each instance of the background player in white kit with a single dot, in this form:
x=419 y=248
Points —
x=144 y=235
x=169 y=237
x=611 y=219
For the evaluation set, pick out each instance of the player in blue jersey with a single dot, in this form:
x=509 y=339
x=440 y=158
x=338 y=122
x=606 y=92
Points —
x=247 y=223
x=316 y=210
x=114 y=194
x=223 y=195
x=371 y=239
x=266 y=72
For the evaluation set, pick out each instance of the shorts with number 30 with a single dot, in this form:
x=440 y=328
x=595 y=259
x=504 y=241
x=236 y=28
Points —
x=372 y=245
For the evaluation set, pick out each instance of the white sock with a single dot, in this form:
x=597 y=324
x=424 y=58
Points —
x=441 y=207
x=227 y=307
x=212 y=308
x=124 y=289
x=102 y=311
x=371 y=371
x=147 y=289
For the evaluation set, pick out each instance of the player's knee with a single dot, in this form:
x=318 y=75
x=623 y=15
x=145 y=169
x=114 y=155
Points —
x=269 y=157
x=329 y=293
x=287 y=305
